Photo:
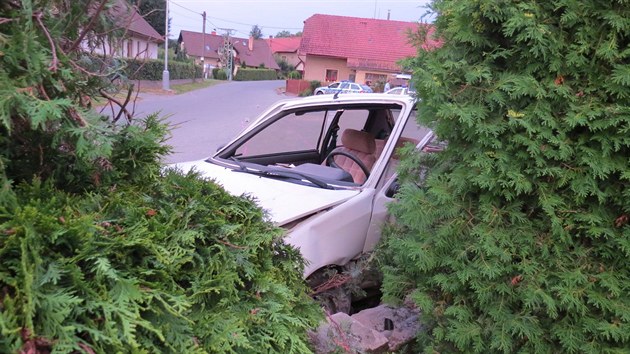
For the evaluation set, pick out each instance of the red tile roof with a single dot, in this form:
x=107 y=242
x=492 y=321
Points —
x=366 y=43
x=127 y=17
x=193 y=43
x=284 y=45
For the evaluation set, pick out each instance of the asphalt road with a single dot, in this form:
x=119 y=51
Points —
x=204 y=119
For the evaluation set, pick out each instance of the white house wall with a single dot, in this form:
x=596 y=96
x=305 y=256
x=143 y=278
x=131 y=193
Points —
x=127 y=48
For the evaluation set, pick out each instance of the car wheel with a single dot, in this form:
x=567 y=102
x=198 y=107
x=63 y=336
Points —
x=319 y=93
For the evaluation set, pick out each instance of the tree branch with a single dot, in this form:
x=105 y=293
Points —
x=55 y=61
x=89 y=26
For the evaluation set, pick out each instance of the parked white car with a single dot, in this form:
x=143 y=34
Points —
x=401 y=91
x=323 y=167
x=343 y=87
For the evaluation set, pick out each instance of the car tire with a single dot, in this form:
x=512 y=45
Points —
x=319 y=93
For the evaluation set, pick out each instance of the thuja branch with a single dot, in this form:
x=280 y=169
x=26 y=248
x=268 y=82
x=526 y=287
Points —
x=55 y=61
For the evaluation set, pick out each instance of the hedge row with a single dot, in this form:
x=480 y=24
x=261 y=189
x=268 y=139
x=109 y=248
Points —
x=152 y=70
x=247 y=74
x=219 y=74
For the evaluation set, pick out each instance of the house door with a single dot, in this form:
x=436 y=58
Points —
x=352 y=77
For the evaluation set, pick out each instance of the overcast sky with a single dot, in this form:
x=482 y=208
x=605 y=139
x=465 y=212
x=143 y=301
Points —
x=273 y=16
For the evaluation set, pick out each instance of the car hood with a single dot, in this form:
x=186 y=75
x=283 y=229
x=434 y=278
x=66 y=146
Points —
x=283 y=201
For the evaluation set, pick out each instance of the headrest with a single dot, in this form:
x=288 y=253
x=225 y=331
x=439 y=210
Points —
x=358 y=140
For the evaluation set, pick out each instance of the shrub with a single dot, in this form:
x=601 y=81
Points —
x=219 y=74
x=173 y=265
x=307 y=92
x=153 y=69
x=249 y=74
x=518 y=239
x=314 y=84
x=103 y=249
x=295 y=75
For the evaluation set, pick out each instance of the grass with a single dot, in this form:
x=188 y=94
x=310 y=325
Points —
x=183 y=88
x=176 y=89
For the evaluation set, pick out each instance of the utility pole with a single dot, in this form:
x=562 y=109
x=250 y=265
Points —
x=226 y=57
x=203 y=48
x=165 y=74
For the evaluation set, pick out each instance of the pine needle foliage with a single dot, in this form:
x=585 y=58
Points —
x=518 y=239
x=102 y=250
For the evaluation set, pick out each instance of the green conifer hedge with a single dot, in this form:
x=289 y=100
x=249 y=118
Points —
x=102 y=250
x=518 y=239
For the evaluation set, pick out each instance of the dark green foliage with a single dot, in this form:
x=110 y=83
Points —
x=101 y=249
x=294 y=75
x=518 y=239
x=153 y=69
x=172 y=265
x=248 y=74
x=283 y=34
x=256 y=32
x=154 y=12
x=287 y=71
x=219 y=74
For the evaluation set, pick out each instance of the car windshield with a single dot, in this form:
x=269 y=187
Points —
x=307 y=146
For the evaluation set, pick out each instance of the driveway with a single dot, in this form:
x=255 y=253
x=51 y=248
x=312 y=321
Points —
x=206 y=118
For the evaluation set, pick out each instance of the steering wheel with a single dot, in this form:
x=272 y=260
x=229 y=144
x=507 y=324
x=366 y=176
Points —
x=331 y=162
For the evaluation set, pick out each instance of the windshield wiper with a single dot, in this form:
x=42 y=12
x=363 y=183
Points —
x=280 y=173
x=297 y=175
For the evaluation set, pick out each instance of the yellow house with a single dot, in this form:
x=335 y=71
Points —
x=361 y=50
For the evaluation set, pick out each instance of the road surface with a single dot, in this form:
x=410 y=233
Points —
x=206 y=118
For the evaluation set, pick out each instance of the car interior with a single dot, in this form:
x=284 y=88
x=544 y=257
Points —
x=338 y=144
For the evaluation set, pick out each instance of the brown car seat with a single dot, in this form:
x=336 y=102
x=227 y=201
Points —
x=361 y=145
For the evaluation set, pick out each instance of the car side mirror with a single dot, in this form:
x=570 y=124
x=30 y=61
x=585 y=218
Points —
x=393 y=189
x=220 y=147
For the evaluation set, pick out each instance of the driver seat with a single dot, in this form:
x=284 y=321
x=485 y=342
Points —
x=359 y=144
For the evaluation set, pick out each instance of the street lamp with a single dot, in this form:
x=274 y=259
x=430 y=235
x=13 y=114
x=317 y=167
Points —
x=165 y=75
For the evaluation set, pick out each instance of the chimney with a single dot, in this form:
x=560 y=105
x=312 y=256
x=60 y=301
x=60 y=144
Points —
x=214 y=32
x=250 y=43
x=388 y=14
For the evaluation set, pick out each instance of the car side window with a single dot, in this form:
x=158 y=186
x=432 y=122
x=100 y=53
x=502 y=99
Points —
x=352 y=119
x=335 y=85
x=290 y=133
x=344 y=86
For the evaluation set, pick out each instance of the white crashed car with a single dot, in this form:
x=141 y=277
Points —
x=323 y=167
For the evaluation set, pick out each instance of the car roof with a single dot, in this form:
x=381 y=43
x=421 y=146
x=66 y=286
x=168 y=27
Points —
x=347 y=98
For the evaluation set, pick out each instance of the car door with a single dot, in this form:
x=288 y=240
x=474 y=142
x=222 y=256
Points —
x=387 y=185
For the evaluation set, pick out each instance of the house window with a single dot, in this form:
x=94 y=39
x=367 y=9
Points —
x=129 y=48
x=138 y=47
x=331 y=75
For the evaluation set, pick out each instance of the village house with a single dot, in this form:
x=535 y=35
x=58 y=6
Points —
x=140 y=39
x=208 y=49
x=287 y=49
x=361 y=50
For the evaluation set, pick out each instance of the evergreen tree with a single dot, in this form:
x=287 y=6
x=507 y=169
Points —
x=256 y=32
x=154 y=12
x=517 y=239
x=283 y=34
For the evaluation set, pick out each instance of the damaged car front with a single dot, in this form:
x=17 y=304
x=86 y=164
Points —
x=323 y=167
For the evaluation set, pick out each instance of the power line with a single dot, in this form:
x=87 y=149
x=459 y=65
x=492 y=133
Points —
x=236 y=22
x=249 y=24
x=185 y=8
